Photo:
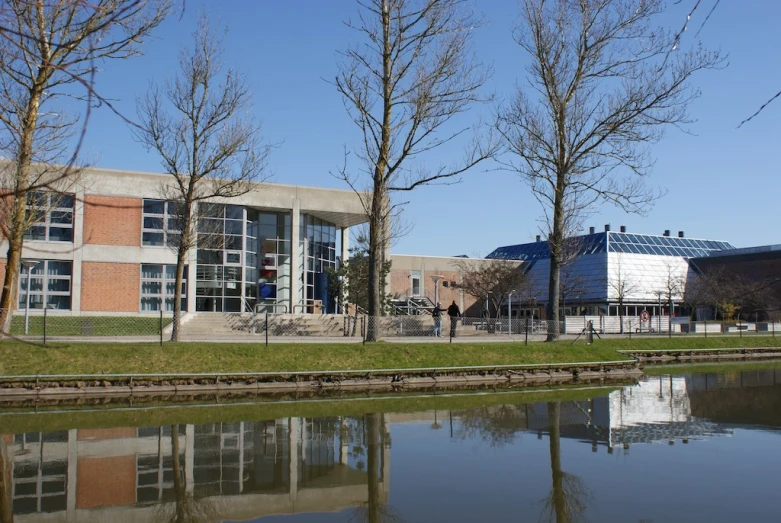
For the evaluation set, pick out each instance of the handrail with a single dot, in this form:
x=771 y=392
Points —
x=272 y=306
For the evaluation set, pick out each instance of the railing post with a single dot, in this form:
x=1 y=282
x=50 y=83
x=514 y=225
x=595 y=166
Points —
x=526 y=342
x=44 y=325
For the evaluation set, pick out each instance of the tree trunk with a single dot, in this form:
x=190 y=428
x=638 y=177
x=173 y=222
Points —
x=6 y=486
x=181 y=257
x=554 y=279
x=19 y=216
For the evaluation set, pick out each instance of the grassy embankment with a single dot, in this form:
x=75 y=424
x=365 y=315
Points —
x=18 y=358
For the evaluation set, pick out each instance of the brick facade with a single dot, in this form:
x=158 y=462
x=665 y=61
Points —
x=110 y=287
x=106 y=482
x=112 y=221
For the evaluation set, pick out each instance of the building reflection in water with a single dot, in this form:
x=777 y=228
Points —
x=240 y=470
x=246 y=470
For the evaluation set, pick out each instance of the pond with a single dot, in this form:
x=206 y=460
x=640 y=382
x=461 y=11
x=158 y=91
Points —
x=681 y=446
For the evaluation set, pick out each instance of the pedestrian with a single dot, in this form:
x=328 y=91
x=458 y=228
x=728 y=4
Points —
x=436 y=313
x=454 y=312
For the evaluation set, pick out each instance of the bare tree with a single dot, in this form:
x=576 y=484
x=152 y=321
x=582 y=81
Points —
x=492 y=280
x=605 y=85
x=403 y=88
x=674 y=285
x=206 y=142
x=49 y=49
x=622 y=284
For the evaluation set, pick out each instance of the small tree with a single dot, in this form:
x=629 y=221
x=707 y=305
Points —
x=351 y=279
x=49 y=49
x=412 y=76
x=605 y=84
x=492 y=280
x=208 y=145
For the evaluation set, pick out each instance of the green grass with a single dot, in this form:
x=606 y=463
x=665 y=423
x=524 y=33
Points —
x=24 y=359
x=257 y=409
x=88 y=326
x=18 y=358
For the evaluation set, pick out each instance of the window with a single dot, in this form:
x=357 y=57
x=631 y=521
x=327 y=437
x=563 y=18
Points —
x=51 y=216
x=414 y=283
x=50 y=285
x=161 y=225
x=158 y=283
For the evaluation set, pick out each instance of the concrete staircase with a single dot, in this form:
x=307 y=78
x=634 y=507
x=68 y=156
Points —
x=215 y=325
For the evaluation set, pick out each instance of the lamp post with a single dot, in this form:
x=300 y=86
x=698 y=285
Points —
x=27 y=264
x=510 y=313
x=436 y=279
x=659 y=318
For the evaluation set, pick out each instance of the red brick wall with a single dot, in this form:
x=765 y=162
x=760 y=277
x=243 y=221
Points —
x=112 y=221
x=113 y=287
x=106 y=482
x=400 y=284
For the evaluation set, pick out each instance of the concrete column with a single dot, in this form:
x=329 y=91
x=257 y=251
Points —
x=296 y=270
x=78 y=251
x=189 y=455
x=344 y=298
x=293 y=432
x=73 y=459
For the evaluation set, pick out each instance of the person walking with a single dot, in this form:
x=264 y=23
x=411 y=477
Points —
x=436 y=313
x=454 y=312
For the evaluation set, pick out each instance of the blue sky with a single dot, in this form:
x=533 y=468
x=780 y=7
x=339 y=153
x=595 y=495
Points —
x=722 y=182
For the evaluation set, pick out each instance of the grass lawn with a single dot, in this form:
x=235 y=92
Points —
x=88 y=325
x=17 y=358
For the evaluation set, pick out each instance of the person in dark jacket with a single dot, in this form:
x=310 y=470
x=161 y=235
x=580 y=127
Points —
x=454 y=312
x=436 y=313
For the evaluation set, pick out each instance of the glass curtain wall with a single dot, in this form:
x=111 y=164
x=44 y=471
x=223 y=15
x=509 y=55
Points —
x=243 y=259
x=318 y=239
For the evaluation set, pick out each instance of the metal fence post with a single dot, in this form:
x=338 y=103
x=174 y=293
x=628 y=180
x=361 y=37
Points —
x=363 y=329
x=161 y=326
x=526 y=342
x=44 y=325
x=706 y=327
x=266 y=329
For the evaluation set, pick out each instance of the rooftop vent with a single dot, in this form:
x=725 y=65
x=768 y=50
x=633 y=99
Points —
x=623 y=228
x=607 y=227
x=591 y=230
x=538 y=237
x=666 y=232
x=680 y=234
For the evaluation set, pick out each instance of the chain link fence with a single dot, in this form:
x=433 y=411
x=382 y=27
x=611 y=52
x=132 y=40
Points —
x=52 y=326
x=45 y=325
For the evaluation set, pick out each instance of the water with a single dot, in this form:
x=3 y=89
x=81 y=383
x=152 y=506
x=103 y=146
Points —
x=679 y=447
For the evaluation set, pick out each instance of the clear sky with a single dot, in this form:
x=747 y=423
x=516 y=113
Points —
x=722 y=183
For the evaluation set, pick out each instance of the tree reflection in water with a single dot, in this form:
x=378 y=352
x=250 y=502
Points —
x=569 y=496
x=377 y=509
x=6 y=507
x=186 y=508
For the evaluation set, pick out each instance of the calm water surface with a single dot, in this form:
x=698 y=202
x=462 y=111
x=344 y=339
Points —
x=675 y=448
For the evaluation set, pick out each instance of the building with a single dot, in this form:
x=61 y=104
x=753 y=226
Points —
x=614 y=270
x=103 y=247
x=418 y=282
